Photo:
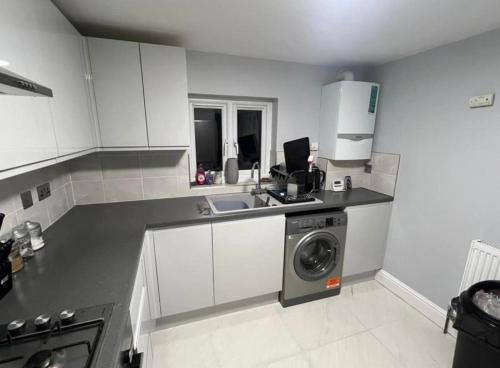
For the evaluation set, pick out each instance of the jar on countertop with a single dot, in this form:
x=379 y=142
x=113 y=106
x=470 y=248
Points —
x=22 y=239
x=15 y=258
x=35 y=231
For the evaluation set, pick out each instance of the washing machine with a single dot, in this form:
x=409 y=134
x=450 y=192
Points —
x=314 y=254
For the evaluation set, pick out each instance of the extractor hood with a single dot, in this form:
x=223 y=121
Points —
x=14 y=84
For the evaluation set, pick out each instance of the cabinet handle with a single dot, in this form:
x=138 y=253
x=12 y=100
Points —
x=225 y=149
x=237 y=148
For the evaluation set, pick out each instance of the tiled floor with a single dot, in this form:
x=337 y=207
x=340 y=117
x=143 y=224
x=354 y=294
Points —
x=364 y=327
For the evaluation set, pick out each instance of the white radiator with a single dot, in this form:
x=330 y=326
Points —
x=483 y=263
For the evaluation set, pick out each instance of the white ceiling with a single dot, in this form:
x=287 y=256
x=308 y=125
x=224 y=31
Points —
x=306 y=31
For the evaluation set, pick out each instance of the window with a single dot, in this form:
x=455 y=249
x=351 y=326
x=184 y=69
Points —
x=223 y=128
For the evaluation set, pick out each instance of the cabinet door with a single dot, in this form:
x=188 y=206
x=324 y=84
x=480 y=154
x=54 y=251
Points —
x=64 y=71
x=26 y=122
x=366 y=238
x=165 y=94
x=148 y=252
x=184 y=266
x=116 y=73
x=139 y=307
x=248 y=257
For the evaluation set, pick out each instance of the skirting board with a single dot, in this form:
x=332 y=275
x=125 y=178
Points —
x=429 y=309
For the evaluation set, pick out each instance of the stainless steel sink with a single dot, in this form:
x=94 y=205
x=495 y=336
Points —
x=227 y=203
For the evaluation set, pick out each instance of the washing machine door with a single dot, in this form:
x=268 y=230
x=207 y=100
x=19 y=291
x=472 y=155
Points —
x=316 y=255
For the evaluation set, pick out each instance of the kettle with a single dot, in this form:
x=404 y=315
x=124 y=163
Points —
x=315 y=180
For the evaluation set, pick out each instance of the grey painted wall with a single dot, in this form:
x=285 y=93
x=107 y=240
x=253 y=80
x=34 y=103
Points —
x=449 y=176
x=297 y=87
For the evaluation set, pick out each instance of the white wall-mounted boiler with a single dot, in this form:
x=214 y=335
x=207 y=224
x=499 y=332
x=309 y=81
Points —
x=347 y=121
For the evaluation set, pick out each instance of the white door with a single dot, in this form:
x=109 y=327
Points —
x=248 y=257
x=184 y=266
x=366 y=238
x=165 y=94
x=117 y=79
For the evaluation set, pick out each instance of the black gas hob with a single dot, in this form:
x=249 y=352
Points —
x=69 y=339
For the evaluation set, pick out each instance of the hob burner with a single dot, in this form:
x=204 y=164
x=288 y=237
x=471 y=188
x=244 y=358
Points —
x=42 y=359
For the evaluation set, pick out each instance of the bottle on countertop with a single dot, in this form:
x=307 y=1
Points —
x=200 y=175
x=15 y=258
x=5 y=266
x=10 y=257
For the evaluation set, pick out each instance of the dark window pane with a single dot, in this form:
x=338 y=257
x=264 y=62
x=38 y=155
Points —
x=208 y=135
x=249 y=138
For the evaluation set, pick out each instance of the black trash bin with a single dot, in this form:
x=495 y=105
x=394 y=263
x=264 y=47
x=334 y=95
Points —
x=478 y=339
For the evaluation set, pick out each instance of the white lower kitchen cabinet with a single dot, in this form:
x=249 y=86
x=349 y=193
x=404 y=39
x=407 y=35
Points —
x=366 y=238
x=248 y=257
x=148 y=251
x=140 y=314
x=184 y=267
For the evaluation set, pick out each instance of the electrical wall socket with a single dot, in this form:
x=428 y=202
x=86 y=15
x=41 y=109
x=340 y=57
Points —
x=481 y=101
x=26 y=199
x=43 y=191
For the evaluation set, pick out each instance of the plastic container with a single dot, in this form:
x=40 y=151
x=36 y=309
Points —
x=22 y=239
x=35 y=231
x=478 y=339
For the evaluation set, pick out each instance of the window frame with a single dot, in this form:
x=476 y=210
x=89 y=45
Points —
x=230 y=131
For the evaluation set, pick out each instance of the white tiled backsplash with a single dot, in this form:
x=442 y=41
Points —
x=123 y=176
x=382 y=178
x=45 y=212
x=128 y=176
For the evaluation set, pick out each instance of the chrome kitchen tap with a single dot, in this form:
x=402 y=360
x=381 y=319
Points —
x=258 y=189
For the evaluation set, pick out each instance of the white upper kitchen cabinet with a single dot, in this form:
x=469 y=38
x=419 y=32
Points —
x=26 y=122
x=40 y=44
x=248 y=257
x=117 y=79
x=164 y=75
x=366 y=238
x=63 y=70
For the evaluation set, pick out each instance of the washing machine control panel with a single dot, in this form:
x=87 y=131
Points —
x=306 y=224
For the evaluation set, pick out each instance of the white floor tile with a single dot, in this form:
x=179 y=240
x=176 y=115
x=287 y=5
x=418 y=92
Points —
x=185 y=346
x=358 y=351
x=195 y=351
x=250 y=338
x=297 y=361
x=321 y=322
x=417 y=342
x=366 y=327
x=374 y=305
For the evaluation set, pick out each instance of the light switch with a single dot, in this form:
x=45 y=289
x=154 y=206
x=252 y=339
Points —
x=481 y=101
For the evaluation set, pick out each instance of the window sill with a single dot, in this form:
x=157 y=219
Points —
x=244 y=186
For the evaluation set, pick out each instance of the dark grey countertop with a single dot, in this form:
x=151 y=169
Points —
x=92 y=254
